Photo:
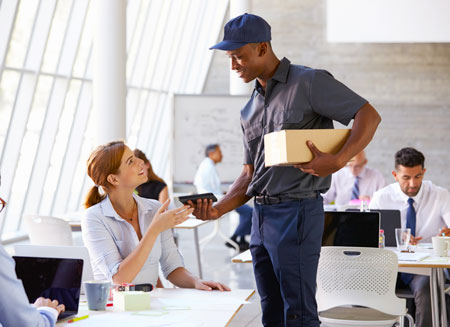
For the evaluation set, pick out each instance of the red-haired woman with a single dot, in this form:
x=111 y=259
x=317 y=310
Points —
x=126 y=235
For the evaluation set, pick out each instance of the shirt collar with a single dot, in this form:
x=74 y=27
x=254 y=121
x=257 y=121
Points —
x=280 y=75
x=108 y=209
x=282 y=71
x=361 y=175
x=416 y=198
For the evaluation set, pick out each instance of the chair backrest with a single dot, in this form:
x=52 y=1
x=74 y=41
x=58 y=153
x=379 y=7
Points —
x=358 y=276
x=45 y=230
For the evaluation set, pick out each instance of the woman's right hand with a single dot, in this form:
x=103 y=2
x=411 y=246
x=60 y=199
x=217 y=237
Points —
x=165 y=219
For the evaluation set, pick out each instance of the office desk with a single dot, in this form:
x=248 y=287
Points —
x=177 y=307
x=194 y=224
x=434 y=267
x=431 y=266
x=244 y=257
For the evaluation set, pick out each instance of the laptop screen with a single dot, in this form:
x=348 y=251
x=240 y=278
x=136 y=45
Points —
x=359 y=229
x=389 y=221
x=56 y=279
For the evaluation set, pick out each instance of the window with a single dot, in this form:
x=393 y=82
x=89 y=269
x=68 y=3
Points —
x=46 y=133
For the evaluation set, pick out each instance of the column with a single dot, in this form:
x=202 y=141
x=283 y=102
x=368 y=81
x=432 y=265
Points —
x=109 y=80
x=237 y=86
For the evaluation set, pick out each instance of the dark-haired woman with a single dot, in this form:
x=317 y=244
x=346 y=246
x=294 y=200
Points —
x=155 y=187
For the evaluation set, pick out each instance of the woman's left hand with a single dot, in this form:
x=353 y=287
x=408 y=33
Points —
x=210 y=285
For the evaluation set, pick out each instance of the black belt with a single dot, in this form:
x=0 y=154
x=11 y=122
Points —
x=268 y=200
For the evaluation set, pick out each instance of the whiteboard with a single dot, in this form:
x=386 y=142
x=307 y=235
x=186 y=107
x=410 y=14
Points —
x=200 y=120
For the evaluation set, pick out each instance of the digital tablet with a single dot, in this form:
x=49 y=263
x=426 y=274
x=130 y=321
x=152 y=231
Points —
x=184 y=199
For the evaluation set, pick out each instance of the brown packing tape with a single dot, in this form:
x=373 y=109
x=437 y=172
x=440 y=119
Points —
x=288 y=147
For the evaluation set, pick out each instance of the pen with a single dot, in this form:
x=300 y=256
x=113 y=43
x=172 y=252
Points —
x=78 y=318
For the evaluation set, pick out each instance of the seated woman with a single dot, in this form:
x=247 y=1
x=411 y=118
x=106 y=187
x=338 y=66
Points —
x=126 y=235
x=155 y=187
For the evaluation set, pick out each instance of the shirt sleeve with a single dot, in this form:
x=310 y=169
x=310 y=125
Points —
x=15 y=310
x=48 y=312
x=380 y=181
x=375 y=201
x=247 y=160
x=332 y=99
x=103 y=251
x=171 y=258
x=445 y=207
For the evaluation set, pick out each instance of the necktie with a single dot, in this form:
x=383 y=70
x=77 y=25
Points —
x=410 y=223
x=355 y=189
x=411 y=217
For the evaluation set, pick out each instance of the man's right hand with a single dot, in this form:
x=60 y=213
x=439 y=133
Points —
x=43 y=302
x=204 y=210
x=414 y=240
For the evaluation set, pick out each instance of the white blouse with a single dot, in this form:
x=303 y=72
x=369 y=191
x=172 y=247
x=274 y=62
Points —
x=110 y=239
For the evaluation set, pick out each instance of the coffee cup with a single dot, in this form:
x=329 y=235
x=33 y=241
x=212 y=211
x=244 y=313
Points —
x=97 y=293
x=441 y=245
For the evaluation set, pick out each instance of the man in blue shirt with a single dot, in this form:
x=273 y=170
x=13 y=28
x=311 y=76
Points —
x=207 y=181
x=288 y=216
x=15 y=310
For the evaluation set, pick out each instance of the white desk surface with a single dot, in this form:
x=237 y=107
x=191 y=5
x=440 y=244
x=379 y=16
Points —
x=171 y=307
x=244 y=257
x=192 y=223
x=430 y=262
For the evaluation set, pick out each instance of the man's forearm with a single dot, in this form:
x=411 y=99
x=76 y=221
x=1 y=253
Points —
x=236 y=196
x=364 y=126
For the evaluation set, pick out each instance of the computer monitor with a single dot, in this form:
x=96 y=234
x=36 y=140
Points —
x=390 y=220
x=353 y=229
x=53 y=278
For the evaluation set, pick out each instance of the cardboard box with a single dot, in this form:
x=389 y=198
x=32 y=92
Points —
x=288 y=147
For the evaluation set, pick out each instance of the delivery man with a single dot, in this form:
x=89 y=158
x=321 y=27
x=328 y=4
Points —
x=288 y=217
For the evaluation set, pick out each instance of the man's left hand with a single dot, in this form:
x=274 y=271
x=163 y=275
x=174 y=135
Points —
x=322 y=165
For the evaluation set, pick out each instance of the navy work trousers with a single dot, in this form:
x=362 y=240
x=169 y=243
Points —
x=285 y=245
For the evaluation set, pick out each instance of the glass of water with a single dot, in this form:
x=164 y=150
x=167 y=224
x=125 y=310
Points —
x=402 y=236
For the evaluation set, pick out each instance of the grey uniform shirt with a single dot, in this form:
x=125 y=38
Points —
x=296 y=97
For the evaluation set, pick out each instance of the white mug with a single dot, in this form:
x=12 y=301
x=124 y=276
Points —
x=441 y=245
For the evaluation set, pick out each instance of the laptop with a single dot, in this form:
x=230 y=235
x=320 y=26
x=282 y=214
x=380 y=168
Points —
x=53 y=278
x=353 y=229
x=390 y=220
x=53 y=251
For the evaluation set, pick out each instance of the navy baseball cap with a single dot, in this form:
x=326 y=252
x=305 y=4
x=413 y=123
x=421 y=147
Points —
x=244 y=29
